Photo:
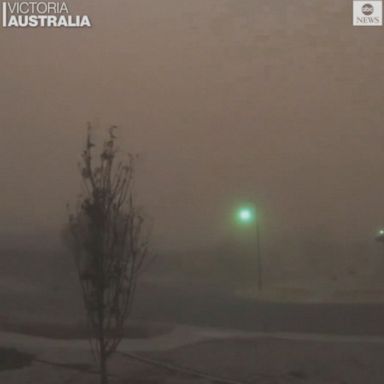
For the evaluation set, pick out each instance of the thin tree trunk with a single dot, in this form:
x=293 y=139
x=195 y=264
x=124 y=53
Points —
x=103 y=367
x=102 y=343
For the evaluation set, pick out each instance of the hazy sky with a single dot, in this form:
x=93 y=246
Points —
x=278 y=102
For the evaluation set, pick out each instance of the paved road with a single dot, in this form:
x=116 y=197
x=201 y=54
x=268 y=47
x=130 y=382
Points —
x=215 y=309
x=207 y=307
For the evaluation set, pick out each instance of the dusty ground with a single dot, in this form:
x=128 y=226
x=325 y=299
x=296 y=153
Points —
x=266 y=360
x=174 y=354
x=190 y=355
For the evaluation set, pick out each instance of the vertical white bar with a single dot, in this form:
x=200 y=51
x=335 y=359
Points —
x=4 y=14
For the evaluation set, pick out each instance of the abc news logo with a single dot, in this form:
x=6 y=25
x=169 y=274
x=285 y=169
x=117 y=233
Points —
x=368 y=13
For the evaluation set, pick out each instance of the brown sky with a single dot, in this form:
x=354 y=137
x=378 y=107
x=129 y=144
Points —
x=278 y=101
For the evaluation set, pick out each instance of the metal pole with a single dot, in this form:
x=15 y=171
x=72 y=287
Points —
x=259 y=260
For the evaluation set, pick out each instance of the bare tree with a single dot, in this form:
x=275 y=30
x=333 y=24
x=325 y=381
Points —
x=107 y=229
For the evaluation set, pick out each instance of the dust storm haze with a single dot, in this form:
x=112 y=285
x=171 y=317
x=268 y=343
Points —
x=278 y=103
x=271 y=105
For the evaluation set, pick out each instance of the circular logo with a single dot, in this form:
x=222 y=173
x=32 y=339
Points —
x=367 y=9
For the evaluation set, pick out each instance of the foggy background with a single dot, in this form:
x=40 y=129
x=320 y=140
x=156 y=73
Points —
x=278 y=103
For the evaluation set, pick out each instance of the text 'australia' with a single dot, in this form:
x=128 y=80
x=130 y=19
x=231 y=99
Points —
x=41 y=14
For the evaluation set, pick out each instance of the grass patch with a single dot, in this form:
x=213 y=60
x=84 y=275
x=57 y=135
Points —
x=79 y=331
x=11 y=358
